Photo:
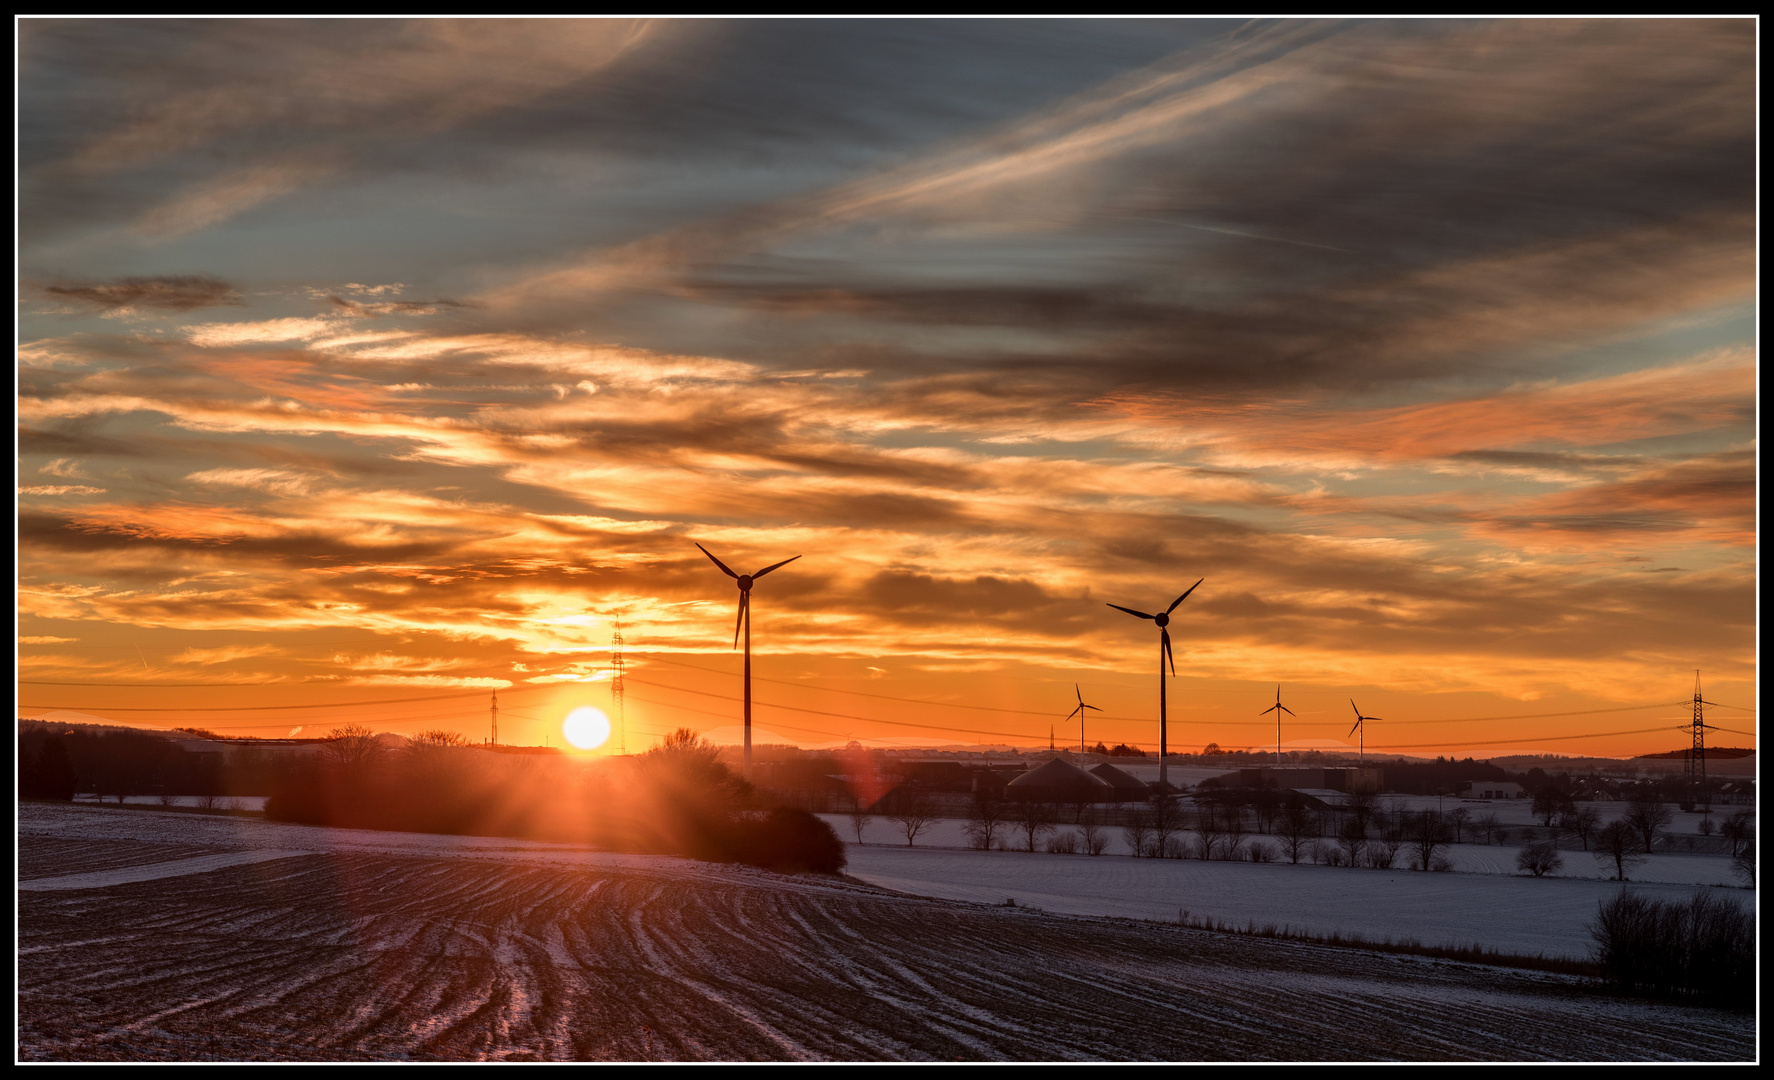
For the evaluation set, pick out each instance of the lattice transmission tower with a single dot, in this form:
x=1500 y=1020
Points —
x=1697 y=789
x=494 y=739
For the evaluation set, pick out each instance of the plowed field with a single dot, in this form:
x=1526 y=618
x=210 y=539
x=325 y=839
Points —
x=386 y=946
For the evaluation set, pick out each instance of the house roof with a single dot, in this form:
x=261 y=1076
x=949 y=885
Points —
x=1058 y=773
x=1117 y=779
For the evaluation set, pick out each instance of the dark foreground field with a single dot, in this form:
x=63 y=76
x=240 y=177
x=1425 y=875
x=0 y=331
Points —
x=151 y=936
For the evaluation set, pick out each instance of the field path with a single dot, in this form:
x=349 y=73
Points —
x=385 y=947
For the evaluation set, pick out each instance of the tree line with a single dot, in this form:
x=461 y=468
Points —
x=678 y=798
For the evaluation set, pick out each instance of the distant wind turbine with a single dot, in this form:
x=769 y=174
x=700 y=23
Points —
x=1079 y=713
x=1278 y=708
x=1360 y=722
x=1164 y=654
x=743 y=621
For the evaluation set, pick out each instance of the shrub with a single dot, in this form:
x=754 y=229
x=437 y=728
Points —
x=1093 y=837
x=1064 y=842
x=1539 y=859
x=1174 y=848
x=786 y=840
x=1441 y=864
x=1261 y=852
x=1705 y=947
x=1381 y=854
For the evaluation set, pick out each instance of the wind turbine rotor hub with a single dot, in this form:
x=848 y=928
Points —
x=745 y=583
x=1161 y=619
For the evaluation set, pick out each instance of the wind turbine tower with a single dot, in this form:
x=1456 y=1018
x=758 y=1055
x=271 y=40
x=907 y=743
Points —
x=1360 y=725
x=1278 y=708
x=1079 y=713
x=1162 y=619
x=743 y=622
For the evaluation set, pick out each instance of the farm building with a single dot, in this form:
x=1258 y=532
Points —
x=1126 y=788
x=1059 y=781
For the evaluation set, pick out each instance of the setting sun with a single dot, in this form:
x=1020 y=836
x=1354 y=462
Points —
x=586 y=728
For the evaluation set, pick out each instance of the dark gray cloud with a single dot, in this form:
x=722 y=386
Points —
x=173 y=293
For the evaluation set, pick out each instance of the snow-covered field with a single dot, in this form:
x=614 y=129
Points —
x=1660 y=868
x=1486 y=901
x=150 y=935
x=253 y=803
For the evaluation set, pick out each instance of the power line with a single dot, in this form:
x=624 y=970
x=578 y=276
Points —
x=1511 y=742
x=269 y=708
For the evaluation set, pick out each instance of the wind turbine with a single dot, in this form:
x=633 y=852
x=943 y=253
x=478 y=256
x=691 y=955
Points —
x=1360 y=721
x=744 y=582
x=1079 y=713
x=1278 y=708
x=1163 y=621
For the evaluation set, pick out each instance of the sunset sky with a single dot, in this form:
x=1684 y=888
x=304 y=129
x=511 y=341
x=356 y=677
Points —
x=375 y=361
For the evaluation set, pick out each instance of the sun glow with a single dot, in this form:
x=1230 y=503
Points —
x=586 y=728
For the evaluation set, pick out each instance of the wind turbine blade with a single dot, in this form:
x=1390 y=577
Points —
x=739 y=619
x=1073 y=713
x=1130 y=611
x=1352 y=730
x=1285 y=709
x=1270 y=709
x=1165 y=634
x=1180 y=599
x=771 y=567
x=1079 y=692
x=1357 y=711
x=1093 y=708
x=717 y=562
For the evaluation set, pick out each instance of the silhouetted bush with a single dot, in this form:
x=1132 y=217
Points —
x=786 y=840
x=1539 y=859
x=1705 y=947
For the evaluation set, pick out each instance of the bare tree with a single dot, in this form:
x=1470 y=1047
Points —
x=1427 y=834
x=1215 y=835
x=1582 y=822
x=859 y=815
x=1743 y=865
x=985 y=816
x=1456 y=819
x=1035 y=818
x=1232 y=822
x=438 y=737
x=1136 y=830
x=911 y=809
x=1739 y=828
x=1615 y=843
x=1539 y=859
x=1297 y=825
x=1166 y=817
x=353 y=749
x=1647 y=816
x=1091 y=833
x=1267 y=804
x=1382 y=854
x=1360 y=805
x=1353 y=841
x=1487 y=826
x=1550 y=801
